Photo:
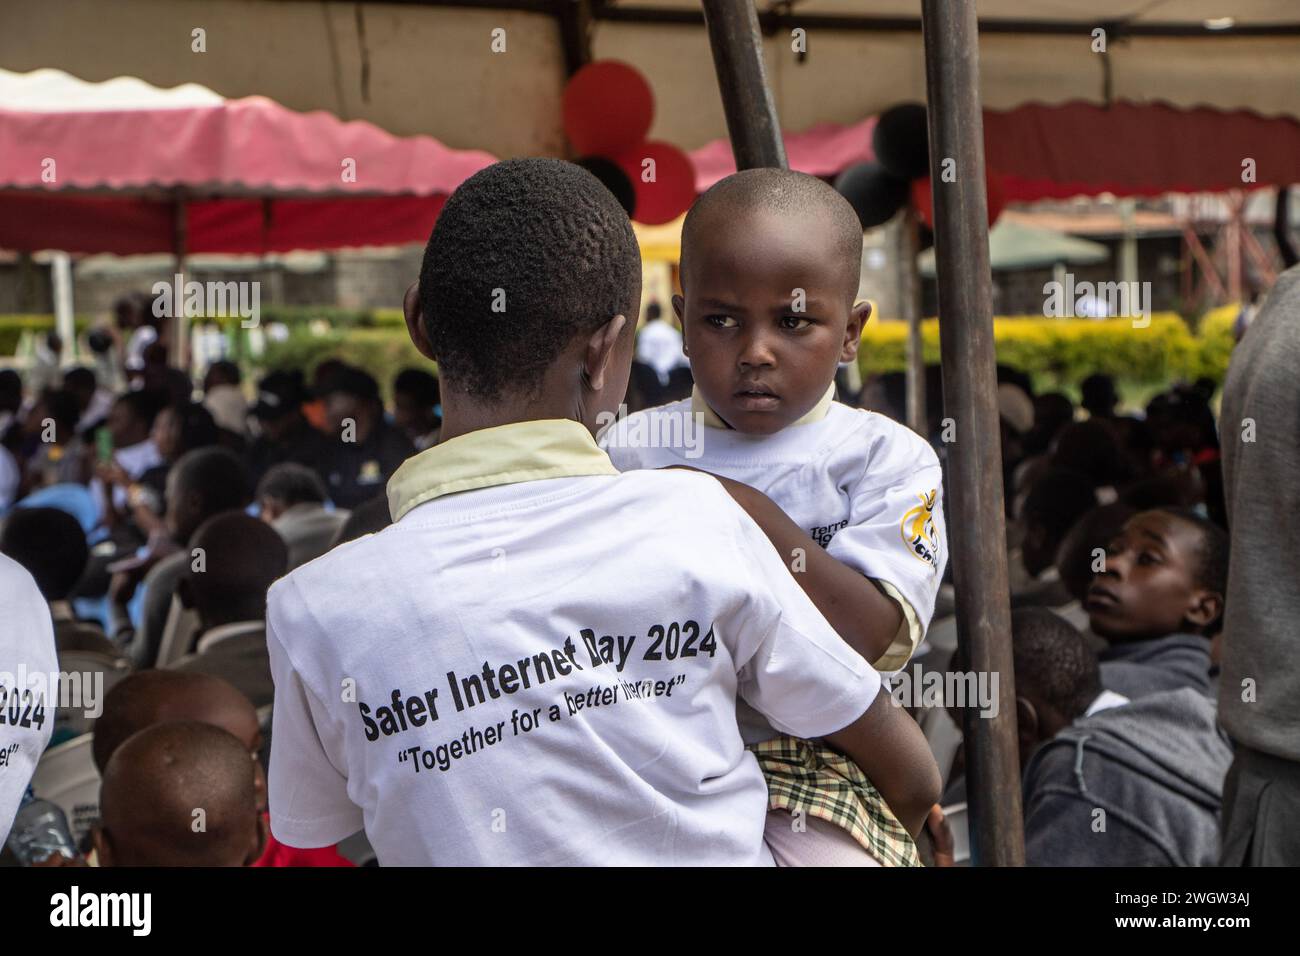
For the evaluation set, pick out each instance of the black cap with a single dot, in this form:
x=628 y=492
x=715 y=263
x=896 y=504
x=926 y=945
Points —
x=279 y=394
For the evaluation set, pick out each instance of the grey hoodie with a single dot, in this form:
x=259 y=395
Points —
x=1155 y=767
x=1138 y=668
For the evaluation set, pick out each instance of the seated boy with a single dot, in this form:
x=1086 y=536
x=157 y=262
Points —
x=242 y=557
x=771 y=261
x=538 y=662
x=1159 y=602
x=1109 y=782
x=178 y=794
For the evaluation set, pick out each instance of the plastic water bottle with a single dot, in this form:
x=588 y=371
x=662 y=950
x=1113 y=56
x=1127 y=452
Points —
x=40 y=829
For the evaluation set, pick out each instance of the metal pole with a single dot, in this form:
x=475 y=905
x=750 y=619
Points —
x=976 y=529
x=911 y=275
x=738 y=60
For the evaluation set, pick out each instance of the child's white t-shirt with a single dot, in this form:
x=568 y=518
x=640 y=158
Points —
x=566 y=758
x=28 y=671
x=864 y=487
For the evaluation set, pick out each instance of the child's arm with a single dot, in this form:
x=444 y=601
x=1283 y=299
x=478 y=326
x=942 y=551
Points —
x=891 y=750
x=860 y=613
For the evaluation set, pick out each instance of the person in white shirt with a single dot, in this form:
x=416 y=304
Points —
x=659 y=344
x=539 y=661
x=27 y=663
x=771 y=261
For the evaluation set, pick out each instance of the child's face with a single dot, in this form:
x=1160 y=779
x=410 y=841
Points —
x=767 y=316
x=1148 y=588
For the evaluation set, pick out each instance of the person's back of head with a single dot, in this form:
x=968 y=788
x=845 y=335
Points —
x=203 y=483
x=1052 y=412
x=151 y=697
x=222 y=372
x=526 y=257
x=179 y=794
x=1056 y=501
x=242 y=557
x=50 y=544
x=421 y=386
x=369 y=517
x=286 y=485
x=1057 y=676
x=1098 y=395
x=11 y=390
x=59 y=407
x=1091 y=448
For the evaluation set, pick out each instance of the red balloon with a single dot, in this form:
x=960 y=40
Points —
x=922 y=199
x=607 y=108
x=664 y=179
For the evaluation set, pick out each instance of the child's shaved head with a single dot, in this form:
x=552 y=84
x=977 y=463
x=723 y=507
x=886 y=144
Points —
x=156 y=696
x=178 y=794
x=771 y=261
x=789 y=194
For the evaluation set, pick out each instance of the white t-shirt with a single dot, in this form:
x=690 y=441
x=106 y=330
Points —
x=548 y=756
x=862 y=486
x=27 y=661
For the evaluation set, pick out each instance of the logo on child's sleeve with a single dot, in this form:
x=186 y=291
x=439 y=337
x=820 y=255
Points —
x=919 y=533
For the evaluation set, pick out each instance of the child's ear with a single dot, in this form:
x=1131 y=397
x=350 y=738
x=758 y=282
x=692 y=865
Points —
x=600 y=348
x=858 y=316
x=1205 y=608
x=415 y=321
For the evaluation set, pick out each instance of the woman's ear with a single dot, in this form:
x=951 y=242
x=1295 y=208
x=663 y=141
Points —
x=414 y=316
x=858 y=316
x=600 y=348
x=1205 y=608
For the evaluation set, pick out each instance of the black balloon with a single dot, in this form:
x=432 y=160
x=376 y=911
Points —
x=874 y=194
x=901 y=141
x=615 y=180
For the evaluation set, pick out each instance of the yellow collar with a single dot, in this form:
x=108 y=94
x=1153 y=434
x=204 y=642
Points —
x=520 y=451
x=817 y=413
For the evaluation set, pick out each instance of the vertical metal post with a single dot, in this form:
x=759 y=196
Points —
x=911 y=292
x=738 y=60
x=975 y=527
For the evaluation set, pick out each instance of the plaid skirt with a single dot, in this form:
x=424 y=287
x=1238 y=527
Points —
x=810 y=777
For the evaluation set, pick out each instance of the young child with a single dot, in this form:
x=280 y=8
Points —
x=538 y=662
x=771 y=261
x=1159 y=602
x=178 y=794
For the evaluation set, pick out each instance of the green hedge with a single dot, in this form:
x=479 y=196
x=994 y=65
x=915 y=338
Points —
x=1065 y=351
